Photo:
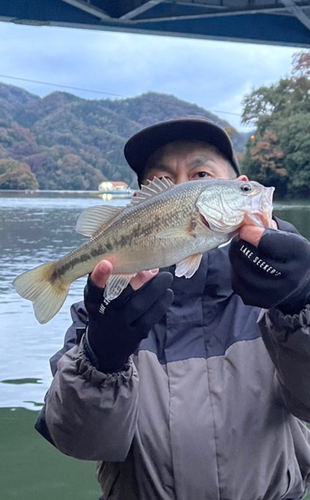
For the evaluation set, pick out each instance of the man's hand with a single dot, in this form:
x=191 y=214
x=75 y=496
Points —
x=271 y=268
x=251 y=234
x=116 y=334
x=103 y=271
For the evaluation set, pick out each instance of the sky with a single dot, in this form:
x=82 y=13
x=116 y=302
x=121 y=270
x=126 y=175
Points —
x=214 y=75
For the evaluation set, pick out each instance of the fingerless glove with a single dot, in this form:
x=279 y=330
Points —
x=114 y=335
x=276 y=274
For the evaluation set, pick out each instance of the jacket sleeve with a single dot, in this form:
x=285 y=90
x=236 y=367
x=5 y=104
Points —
x=287 y=339
x=74 y=333
x=88 y=414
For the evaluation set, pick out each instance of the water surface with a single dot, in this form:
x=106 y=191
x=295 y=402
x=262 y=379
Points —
x=34 y=230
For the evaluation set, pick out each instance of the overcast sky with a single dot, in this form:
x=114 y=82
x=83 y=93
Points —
x=214 y=75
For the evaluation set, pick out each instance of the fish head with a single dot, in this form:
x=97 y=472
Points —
x=224 y=205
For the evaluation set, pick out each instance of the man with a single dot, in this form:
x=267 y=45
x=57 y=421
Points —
x=175 y=389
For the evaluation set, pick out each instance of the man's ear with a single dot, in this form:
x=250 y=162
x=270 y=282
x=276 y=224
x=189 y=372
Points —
x=242 y=178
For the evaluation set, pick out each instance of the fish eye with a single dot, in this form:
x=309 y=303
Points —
x=246 y=188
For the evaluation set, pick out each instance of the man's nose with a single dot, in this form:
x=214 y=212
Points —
x=181 y=177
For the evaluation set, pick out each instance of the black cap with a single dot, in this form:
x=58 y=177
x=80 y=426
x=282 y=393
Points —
x=143 y=144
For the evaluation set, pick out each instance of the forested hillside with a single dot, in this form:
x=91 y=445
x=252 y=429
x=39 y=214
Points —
x=64 y=142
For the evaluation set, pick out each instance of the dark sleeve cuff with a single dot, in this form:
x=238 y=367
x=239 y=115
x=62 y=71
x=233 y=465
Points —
x=92 y=358
x=88 y=352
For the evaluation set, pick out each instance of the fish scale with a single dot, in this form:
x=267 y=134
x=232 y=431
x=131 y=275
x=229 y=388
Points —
x=165 y=212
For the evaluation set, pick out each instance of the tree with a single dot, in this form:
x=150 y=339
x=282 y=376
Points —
x=280 y=153
x=295 y=143
x=264 y=162
x=16 y=175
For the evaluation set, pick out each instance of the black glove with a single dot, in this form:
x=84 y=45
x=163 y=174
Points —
x=276 y=274
x=115 y=335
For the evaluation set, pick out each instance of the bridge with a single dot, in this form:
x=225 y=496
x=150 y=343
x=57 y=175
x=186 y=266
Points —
x=278 y=22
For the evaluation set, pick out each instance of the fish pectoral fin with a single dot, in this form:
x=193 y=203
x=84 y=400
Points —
x=175 y=232
x=94 y=218
x=188 y=266
x=116 y=284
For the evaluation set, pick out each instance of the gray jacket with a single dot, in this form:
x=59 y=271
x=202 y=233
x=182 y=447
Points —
x=212 y=406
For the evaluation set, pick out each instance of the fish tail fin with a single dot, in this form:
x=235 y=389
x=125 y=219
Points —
x=47 y=295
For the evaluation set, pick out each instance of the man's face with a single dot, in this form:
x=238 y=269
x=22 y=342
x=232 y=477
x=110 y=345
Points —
x=183 y=161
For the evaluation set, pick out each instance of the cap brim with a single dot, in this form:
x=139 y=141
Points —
x=143 y=144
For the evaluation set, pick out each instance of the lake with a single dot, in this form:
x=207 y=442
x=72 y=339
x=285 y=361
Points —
x=34 y=229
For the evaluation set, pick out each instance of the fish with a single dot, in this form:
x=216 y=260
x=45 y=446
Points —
x=163 y=225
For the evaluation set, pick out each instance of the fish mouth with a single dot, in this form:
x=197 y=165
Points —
x=261 y=209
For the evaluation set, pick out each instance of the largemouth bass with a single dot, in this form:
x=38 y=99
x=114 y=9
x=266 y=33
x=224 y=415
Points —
x=164 y=224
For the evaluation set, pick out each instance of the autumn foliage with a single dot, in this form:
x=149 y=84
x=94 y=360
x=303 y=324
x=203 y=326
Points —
x=16 y=175
x=65 y=142
x=279 y=155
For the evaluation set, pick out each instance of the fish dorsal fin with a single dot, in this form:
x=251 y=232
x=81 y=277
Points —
x=188 y=266
x=153 y=188
x=94 y=218
x=116 y=284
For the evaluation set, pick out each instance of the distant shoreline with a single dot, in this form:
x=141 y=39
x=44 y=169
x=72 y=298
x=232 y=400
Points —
x=126 y=193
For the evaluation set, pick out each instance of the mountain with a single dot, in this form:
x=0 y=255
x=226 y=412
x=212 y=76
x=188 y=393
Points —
x=64 y=142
